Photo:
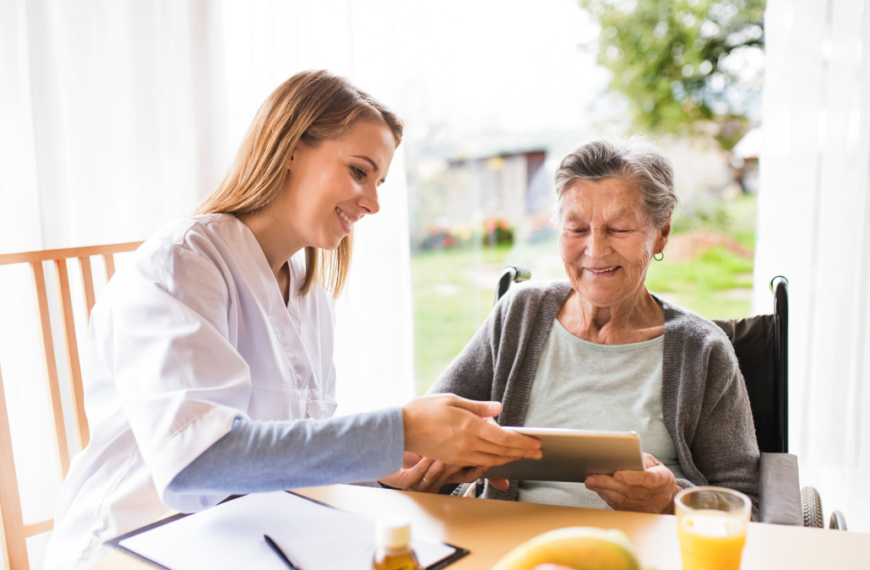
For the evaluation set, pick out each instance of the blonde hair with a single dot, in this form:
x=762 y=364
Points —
x=311 y=106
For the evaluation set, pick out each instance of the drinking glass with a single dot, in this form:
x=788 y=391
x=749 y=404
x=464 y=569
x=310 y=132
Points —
x=711 y=525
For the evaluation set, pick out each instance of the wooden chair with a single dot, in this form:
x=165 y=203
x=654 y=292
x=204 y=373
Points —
x=14 y=530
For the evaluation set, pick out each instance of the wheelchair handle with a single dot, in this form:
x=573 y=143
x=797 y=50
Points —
x=511 y=274
x=776 y=280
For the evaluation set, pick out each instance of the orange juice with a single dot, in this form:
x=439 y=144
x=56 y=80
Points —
x=711 y=540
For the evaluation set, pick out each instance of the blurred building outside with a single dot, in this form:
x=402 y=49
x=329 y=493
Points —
x=744 y=159
x=508 y=186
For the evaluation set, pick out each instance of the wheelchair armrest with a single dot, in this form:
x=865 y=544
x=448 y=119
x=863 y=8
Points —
x=779 y=490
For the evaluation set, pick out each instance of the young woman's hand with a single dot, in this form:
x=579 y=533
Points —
x=649 y=491
x=454 y=430
x=500 y=484
x=429 y=475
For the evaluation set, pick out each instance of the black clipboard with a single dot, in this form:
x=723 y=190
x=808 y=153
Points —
x=116 y=542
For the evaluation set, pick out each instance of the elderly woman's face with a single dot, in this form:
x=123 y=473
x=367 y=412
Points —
x=607 y=240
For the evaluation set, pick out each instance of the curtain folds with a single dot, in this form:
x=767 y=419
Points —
x=814 y=228
x=116 y=117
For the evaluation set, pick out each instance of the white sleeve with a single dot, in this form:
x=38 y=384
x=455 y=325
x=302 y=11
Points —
x=163 y=332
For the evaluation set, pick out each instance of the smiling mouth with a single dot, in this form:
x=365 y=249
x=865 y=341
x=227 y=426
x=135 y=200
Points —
x=602 y=271
x=344 y=217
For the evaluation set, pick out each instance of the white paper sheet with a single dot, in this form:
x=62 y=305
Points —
x=230 y=536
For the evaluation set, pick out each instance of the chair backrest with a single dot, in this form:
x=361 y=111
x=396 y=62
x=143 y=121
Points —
x=761 y=346
x=14 y=530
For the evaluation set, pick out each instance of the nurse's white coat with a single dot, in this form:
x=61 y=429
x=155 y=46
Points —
x=189 y=335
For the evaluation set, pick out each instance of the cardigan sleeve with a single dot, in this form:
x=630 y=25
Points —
x=724 y=447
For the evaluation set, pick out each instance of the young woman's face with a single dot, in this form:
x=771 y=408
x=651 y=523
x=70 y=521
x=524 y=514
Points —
x=333 y=184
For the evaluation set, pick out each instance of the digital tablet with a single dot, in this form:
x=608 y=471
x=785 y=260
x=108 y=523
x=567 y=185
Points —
x=571 y=455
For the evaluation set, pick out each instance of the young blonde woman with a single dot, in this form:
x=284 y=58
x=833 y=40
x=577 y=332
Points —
x=208 y=370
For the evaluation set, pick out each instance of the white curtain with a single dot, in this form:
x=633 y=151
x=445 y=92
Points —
x=118 y=116
x=814 y=228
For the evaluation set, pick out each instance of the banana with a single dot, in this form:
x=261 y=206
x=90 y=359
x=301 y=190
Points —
x=581 y=548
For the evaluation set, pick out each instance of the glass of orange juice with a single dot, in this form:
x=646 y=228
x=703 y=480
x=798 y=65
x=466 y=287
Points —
x=711 y=525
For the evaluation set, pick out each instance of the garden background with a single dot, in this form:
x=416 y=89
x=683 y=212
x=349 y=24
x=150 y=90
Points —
x=686 y=74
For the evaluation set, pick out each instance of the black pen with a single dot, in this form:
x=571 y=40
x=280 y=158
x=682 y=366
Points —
x=280 y=553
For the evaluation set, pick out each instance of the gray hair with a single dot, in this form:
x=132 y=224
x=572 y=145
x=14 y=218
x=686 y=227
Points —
x=634 y=160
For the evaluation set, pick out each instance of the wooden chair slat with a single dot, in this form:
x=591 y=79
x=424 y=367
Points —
x=13 y=530
x=11 y=521
x=72 y=353
x=52 y=254
x=50 y=368
x=109 y=260
x=32 y=529
x=88 y=284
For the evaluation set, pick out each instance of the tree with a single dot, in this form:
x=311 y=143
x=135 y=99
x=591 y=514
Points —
x=683 y=64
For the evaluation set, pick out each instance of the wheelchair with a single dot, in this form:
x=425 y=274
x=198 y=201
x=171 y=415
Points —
x=761 y=345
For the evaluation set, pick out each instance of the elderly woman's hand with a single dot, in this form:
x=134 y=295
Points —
x=649 y=491
x=429 y=475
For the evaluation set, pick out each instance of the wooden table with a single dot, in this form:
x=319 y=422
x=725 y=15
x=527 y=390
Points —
x=489 y=529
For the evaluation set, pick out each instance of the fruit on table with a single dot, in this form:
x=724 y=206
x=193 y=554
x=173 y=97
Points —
x=580 y=548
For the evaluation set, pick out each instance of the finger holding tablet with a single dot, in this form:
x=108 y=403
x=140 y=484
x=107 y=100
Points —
x=651 y=490
x=454 y=430
x=500 y=484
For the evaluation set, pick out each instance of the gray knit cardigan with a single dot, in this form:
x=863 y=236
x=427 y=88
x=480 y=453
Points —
x=704 y=400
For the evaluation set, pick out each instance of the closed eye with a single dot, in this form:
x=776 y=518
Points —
x=358 y=173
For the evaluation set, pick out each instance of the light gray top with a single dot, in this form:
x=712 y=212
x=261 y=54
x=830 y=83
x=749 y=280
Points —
x=704 y=401
x=583 y=385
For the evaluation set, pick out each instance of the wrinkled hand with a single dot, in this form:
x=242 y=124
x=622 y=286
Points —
x=453 y=430
x=428 y=475
x=649 y=491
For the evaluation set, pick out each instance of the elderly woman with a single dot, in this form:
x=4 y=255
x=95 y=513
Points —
x=599 y=351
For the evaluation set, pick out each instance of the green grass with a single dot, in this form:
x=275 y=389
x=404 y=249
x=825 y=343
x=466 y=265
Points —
x=713 y=270
x=453 y=290
x=449 y=305
x=715 y=284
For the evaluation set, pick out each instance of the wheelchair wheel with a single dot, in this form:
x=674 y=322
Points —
x=812 y=504
x=838 y=521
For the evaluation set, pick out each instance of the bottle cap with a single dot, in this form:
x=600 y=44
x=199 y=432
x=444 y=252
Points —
x=393 y=532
